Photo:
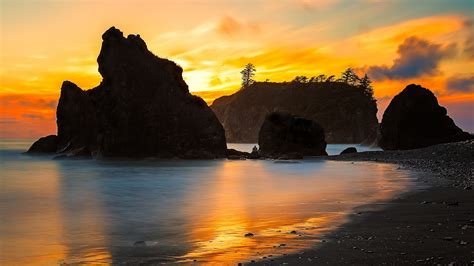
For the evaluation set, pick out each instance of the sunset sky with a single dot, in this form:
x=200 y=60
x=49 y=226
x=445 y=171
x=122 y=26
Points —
x=428 y=42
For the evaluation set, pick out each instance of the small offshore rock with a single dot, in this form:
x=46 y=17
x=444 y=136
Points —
x=235 y=157
x=233 y=154
x=48 y=144
x=348 y=150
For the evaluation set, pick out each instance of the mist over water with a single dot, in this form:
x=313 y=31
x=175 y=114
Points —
x=172 y=210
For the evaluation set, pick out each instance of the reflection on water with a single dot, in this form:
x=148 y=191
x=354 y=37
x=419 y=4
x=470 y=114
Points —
x=176 y=211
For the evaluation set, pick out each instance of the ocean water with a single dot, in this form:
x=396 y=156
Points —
x=105 y=212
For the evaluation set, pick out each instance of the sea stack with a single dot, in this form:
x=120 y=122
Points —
x=414 y=119
x=346 y=114
x=286 y=135
x=142 y=108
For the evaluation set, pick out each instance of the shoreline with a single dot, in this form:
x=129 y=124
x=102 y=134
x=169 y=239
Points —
x=429 y=225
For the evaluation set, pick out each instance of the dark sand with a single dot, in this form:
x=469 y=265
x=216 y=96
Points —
x=432 y=225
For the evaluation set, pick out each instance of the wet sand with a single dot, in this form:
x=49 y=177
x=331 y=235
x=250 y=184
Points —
x=432 y=225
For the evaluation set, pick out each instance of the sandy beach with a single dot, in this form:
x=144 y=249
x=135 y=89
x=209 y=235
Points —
x=430 y=225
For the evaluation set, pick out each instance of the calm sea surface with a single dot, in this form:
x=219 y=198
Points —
x=176 y=211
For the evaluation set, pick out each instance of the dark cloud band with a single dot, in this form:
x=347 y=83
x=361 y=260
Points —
x=417 y=57
x=460 y=84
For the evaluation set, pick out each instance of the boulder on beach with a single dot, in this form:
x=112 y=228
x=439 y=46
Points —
x=348 y=150
x=414 y=119
x=47 y=144
x=282 y=135
x=142 y=108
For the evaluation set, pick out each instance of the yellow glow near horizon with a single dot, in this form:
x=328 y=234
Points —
x=46 y=42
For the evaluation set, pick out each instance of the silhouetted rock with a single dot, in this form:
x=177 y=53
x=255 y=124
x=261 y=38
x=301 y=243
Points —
x=345 y=113
x=76 y=119
x=291 y=156
x=254 y=155
x=142 y=108
x=236 y=157
x=414 y=119
x=82 y=153
x=234 y=152
x=47 y=144
x=349 y=150
x=287 y=136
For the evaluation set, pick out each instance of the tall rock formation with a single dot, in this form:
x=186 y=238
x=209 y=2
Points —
x=414 y=119
x=345 y=113
x=141 y=108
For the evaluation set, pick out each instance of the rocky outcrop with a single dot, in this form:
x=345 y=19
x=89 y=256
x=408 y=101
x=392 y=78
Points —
x=414 y=119
x=348 y=150
x=344 y=111
x=77 y=154
x=284 y=135
x=233 y=154
x=47 y=144
x=76 y=119
x=142 y=108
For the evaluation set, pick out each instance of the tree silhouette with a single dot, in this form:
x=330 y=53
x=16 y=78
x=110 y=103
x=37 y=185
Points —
x=330 y=78
x=366 y=85
x=349 y=77
x=300 y=79
x=319 y=78
x=247 y=75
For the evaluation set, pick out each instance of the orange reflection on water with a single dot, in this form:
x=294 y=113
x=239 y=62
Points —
x=283 y=218
x=223 y=228
x=32 y=229
x=40 y=227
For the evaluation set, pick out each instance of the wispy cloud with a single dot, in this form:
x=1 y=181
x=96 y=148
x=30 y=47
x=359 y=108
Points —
x=231 y=26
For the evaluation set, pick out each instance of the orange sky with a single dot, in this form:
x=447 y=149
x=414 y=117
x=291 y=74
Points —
x=399 y=42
